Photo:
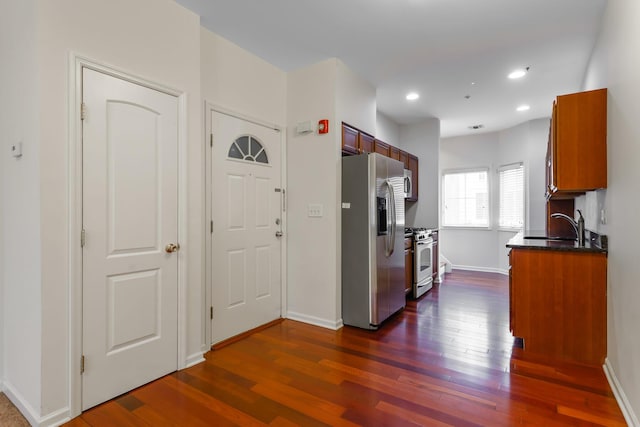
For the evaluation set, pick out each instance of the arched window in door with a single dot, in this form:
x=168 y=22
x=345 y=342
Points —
x=248 y=148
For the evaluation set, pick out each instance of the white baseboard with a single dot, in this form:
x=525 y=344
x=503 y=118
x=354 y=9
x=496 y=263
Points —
x=56 y=418
x=312 y=320
x=52 y=419
x=20 y=402
x=194 y=359
x=625 y=406
x=481 y=269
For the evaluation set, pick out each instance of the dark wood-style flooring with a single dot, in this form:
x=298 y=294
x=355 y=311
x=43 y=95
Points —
x=447 y=359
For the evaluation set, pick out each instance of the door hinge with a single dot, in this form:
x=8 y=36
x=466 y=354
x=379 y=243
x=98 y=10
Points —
x=82 y=364
x=83 y=111
x=211 y=226
x=83 y=238
x=211 y=140
x=211 y=313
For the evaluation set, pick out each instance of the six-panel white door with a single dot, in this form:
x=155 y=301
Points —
x=246 y=207
x=130 y=195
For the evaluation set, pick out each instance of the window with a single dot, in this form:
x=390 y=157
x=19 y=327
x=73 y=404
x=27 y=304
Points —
x=248 y=148
x=465 y=196
x=511 y=179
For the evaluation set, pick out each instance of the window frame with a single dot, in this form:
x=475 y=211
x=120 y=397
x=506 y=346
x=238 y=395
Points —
x=506 y=167
x=487 y=171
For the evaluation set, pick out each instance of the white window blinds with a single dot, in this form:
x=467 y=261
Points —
x=465 y=196
x=511 y=181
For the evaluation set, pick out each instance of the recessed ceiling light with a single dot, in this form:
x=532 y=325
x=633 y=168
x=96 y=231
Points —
x=412 y=96
x=523 y=108
x=519 y=73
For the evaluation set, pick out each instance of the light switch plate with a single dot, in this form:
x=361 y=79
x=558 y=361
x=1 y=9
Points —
x=314 y=210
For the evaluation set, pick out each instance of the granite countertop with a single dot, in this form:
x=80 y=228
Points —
x=540 y=240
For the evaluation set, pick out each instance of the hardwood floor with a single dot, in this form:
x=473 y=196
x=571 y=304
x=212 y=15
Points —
x=447 y=359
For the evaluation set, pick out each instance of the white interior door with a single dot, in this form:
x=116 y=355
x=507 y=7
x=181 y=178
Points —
x=246 y=206
x=130 y=196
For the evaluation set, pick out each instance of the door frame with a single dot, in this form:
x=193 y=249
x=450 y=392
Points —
x=209 y=109
x=74 y=180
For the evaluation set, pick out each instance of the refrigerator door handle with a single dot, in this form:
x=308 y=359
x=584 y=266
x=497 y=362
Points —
x=390 y=244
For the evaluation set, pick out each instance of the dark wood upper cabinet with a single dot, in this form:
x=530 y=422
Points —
x=413 y=167
x=367 y=143
x=381 y=148
x=350 y=142
x=404 y=158
x=576 y=158
x=394 y=152
x=355 y=141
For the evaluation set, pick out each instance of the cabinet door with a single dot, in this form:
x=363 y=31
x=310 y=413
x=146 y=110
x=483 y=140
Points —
x=579 y=142
x=381 y=148
x=349 y=140
x=558 y=304
x=413 y=166
x=404 y=158
x=408 y=270
x=366 y=143
x=394 y=152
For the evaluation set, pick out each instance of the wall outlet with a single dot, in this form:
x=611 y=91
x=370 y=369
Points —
x=314 y=210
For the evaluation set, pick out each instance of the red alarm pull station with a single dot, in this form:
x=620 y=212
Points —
x=323 y=126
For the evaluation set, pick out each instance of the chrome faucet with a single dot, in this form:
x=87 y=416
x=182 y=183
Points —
x=578 y=226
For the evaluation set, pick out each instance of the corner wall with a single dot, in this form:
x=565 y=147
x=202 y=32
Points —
x=312 y=179
x=20 y=306
x=423 y=140
x=614 y=65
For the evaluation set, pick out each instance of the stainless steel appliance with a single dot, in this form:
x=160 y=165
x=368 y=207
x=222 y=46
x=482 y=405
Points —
x=372 y=239
x=408 y=182
x=423 y=258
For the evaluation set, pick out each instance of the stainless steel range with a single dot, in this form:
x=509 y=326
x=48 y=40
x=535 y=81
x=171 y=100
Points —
x=422 y=262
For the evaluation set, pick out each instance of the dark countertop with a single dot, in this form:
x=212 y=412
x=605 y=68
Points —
x=592 y=244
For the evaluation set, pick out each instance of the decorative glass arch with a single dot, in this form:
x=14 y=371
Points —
x=249 y=149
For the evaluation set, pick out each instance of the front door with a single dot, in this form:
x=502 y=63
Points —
x=246 y=206
x=130 y=207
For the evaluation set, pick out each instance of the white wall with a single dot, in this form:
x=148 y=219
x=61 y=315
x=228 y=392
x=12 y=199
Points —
x=614 y=65
x=240 y=81
x=312 y=178
x=355 y=100
x=154 y=39
x=327 y=90
x=387 y=130
x=21 y=274
x=423 y=140
x=527 y=143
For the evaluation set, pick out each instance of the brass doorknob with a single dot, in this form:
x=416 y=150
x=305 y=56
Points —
x=171 y=247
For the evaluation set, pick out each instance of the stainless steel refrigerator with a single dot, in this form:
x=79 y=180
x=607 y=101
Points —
x=372 y=239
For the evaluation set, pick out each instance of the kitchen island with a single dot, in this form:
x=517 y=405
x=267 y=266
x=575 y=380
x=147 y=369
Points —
x=558 y=293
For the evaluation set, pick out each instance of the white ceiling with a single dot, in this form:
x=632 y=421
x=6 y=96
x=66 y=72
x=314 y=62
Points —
x=434 y=47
